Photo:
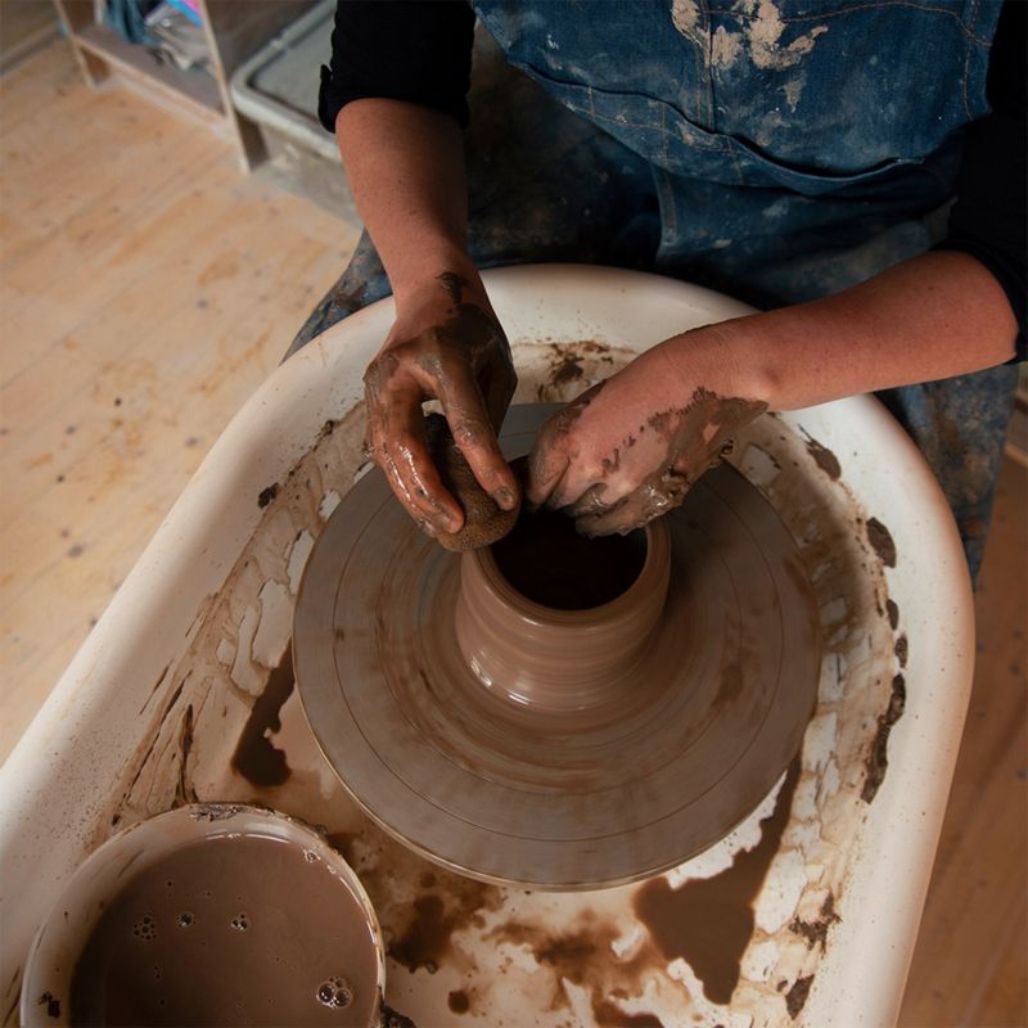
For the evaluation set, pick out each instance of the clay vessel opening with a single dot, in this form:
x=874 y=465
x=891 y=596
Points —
x=548 y=620
x=545 y=560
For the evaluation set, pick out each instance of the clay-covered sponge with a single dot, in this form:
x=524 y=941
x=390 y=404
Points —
x=485 y=521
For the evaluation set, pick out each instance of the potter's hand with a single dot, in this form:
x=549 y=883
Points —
x=630 y=448
x=445 y=345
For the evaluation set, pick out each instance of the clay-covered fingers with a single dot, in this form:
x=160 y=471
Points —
x=548 y=463
x=473 y=432
x=630 y=512
x=396 y=443
x=555 y=478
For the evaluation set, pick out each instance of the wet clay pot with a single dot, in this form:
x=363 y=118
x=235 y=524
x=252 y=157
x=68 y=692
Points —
x=560 y=660
x=553 y=712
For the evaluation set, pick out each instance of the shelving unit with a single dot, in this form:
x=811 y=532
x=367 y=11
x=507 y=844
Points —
x=235 y=29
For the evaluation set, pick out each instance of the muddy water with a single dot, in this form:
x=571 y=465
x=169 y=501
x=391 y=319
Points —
x=709 y=922
x=243 y=931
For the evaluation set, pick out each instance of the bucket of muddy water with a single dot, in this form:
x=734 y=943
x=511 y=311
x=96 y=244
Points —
x=211 y=914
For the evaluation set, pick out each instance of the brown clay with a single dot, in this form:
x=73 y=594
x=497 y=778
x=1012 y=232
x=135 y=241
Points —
x=558 y=748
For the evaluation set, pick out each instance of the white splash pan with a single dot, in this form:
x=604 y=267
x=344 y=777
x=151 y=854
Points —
x=189 y=638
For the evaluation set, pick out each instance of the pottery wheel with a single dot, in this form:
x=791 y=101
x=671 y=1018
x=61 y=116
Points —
x=715 y=709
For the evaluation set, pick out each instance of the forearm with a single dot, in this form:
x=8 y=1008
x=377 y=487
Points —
x=406 y=168
x=938 y=315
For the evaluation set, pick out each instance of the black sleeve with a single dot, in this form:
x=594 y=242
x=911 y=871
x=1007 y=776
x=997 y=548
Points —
x=988 y=219
x=413 y=50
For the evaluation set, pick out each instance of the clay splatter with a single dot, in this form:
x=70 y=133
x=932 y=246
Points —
x=893 y=612
x=256 y=758
x=53 y=1006
x=824 y=458
x=708 y=922
x=881 y=541
x=390 y=1018
x=816 y=931
x=609 y=1015
x=796 y=997
x=267 y=494
x=583 y=955
x=453 y=285
x=436 y=916
x=458 y=1002
x=878 y=758
x=567 y=362
x=902 y=649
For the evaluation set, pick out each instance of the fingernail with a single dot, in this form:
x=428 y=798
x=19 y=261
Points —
x=505 y=498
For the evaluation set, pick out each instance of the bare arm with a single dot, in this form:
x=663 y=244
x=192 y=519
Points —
x=406 y=169
x=938 y=315
x=632 y=449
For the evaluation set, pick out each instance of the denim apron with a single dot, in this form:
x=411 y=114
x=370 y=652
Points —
x=775 y=150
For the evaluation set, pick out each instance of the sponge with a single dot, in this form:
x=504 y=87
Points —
x=484 y=520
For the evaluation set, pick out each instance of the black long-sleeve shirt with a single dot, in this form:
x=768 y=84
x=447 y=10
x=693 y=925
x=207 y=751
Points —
x=420 y=51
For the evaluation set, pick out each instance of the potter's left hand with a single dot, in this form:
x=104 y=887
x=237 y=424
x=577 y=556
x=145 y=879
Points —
x=630 y=448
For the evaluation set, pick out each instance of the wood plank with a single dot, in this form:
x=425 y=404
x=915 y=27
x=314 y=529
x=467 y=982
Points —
x=969 y=964
x=146 y=289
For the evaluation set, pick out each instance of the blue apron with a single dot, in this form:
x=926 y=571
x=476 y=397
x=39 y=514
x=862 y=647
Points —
x=776 y=151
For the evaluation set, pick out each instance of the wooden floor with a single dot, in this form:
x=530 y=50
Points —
x=971 y=963
x=147 y=287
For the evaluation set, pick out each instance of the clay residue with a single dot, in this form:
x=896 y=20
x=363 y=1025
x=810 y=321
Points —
x=464 y=361
x=902 y=650
x=708 y=922
x=453 y=285
x=256 y=758
x=156 y=686
x=583 y=955
x=184 y=791
x=567 y=365
x=53 y=1006
x=878 y=759
x=893 y=613
x=458 y=1001
x=427 y=939
x=419 y=926
x=881 y=541
x=796 y=997
x=824 y=458
x=389 y=1018
x=610 y=1015
x=267 y=494
x=816 y=931
x=691 y=440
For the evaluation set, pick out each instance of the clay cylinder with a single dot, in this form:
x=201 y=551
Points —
x=562 y=660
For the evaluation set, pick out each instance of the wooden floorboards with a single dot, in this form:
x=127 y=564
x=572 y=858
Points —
x=147 y=287
x=972 y=954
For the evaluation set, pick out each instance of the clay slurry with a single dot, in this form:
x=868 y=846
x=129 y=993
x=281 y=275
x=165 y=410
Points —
x=242 y=931
x=547 y=561
x=709 y=921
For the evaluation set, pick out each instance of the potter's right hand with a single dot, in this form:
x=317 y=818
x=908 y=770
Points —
x=445 y=345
